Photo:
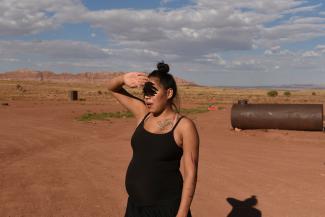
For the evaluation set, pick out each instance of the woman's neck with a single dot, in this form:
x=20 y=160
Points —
x=167 y=112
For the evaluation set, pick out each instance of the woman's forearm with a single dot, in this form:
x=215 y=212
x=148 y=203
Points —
x=116 y=83
x=189 y=185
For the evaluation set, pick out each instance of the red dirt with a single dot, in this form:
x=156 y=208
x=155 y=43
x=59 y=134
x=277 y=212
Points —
x=53 y=165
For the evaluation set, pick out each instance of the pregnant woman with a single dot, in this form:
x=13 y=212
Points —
x=154 y=183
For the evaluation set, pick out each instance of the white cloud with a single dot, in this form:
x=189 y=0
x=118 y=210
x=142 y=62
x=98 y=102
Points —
x=289 y=33
x=303 y=9
x=33 y=16
x=76 y=54
x=164 y=2
x=9 y=60
x=310 y=54
x=187 y=30
x=50 y=49
x=321 y=48
x=213 y=58
x=258 y=6
x=307 y=20
x=212 y=25
x=193 y=37
x=276 y=50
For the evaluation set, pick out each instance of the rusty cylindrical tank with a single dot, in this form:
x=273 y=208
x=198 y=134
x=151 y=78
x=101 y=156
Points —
x=277 y=116
x=73 y=95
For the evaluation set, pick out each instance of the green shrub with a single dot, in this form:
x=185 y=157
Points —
x=272 y=93
x=89 y=116
x=287 y=93
x=187 y=111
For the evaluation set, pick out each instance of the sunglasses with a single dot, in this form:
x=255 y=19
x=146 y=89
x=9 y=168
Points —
x=149 y=89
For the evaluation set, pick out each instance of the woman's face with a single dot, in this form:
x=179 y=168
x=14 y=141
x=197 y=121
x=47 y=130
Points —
x=156 y=96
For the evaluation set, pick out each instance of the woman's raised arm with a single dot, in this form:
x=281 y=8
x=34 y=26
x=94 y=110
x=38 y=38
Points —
x=132 y=103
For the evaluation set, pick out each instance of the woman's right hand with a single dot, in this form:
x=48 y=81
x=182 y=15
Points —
x=135 y=79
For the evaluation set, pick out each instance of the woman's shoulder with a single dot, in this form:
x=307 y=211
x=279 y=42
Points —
x=187 y=129
x=144 y=115
x=186 y=123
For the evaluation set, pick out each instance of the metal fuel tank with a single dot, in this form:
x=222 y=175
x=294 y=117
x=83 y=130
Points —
x=277 y=116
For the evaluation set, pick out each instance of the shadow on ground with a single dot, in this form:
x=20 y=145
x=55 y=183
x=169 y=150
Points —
x=244 y=208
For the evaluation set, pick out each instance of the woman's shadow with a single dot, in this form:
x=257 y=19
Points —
x=244 y=208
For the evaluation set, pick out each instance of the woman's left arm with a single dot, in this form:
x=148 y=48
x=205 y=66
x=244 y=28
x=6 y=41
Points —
x=190 y=139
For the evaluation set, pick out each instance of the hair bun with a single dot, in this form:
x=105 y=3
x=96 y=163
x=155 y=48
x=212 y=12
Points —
x=163 y=67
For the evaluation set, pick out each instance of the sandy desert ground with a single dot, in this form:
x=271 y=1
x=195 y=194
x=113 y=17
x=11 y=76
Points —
x=53 y=165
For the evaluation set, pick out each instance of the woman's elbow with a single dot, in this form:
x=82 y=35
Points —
x=191 y=173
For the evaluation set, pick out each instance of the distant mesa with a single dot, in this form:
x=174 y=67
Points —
x=82 y=77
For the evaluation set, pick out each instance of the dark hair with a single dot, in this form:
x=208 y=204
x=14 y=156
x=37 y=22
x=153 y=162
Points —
x=167 y=81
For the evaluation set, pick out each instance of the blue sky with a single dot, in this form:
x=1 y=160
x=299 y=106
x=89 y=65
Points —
x=210 y=42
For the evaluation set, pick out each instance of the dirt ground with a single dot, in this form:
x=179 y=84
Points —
x=53 y=165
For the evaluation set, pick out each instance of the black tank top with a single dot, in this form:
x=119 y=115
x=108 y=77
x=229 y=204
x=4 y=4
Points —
x=153 y=175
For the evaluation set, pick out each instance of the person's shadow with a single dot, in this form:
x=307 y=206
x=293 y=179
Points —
x=244 y=208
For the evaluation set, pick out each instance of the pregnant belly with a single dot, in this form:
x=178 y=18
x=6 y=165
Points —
x=155 y=182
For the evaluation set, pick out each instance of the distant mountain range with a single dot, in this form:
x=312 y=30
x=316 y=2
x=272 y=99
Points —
x=82 y=77
x=284 y=87
x=102 y=77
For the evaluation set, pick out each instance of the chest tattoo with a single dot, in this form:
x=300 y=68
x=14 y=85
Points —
x=165 y=124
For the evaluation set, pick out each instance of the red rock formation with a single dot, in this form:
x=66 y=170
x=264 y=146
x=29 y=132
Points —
x=82 y=77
